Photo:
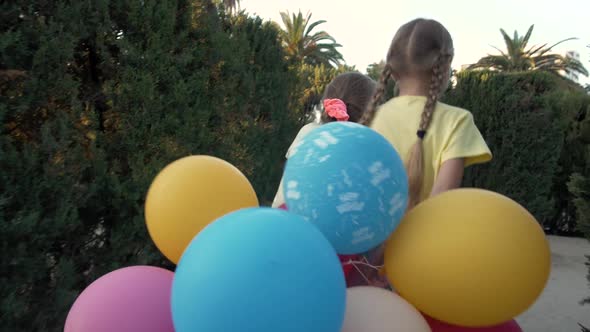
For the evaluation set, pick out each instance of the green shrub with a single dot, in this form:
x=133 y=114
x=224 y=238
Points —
x=521 y=128
x=95 y=98
x=574 y=162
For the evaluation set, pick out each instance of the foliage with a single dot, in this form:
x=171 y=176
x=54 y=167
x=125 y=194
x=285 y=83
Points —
x=579 y=184
x=538 y=128
x=231 y=5
x=524 y=118
x=95 y=98
x=374 y=71
x=302 y=45
x=518 y=58
x=580 y=187
x=572 y=104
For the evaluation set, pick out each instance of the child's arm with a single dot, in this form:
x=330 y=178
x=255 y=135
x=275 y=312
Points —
x=449 y=176
x=279 y=199
x=464 y=146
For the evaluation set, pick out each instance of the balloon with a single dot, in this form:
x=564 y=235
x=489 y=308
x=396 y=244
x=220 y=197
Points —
x=438 y=326
x=469 y=257
x=378 y=310
x=349 y=181
x=345 y=260
x=189 y=194
x=134 y=298
x=259 y=269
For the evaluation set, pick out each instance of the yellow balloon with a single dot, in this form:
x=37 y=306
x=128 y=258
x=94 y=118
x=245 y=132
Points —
x=189 y=194
x=469 y=257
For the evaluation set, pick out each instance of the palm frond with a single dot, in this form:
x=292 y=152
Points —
x=303 y=44
x=535 y=49
x=538 y=57
x=527 y=36
x=313 y=25
x=496 y=62
x=575 y=66
x=509 y=42
x=499 y=50
x=548 y=49
x=231 y=5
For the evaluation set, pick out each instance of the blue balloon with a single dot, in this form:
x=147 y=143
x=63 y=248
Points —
x=259 y=269
x=350 y=182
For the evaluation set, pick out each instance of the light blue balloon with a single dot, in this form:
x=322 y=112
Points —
x=350 y=182
x=259 y=269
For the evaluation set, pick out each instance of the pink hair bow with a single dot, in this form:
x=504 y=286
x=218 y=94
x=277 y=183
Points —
x=336 y=108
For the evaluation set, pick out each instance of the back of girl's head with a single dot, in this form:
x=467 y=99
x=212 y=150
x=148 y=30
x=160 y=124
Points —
x=355 y=90
x=422 y=50
x=418 y=47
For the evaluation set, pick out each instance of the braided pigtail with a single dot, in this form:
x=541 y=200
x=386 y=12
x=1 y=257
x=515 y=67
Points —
x=415 y=165
x=369 y=114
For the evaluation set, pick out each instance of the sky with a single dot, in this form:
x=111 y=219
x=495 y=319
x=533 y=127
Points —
x=365 y=27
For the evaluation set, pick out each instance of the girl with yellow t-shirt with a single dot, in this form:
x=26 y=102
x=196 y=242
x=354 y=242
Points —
x=435 y=140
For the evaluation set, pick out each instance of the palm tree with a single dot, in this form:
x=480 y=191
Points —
x=230 y=5
x=303 y=45
x=518 y=58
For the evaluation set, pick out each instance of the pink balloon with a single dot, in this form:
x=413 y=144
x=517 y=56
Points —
x=135 y=298
x=438 y=326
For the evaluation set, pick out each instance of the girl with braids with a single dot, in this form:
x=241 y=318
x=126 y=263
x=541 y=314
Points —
x=435 y=140
x=345 y=99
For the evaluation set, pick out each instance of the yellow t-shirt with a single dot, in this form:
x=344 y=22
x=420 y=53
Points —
x=452 y=134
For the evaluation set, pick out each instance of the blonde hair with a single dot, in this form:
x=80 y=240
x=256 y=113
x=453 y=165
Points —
x=420 y=48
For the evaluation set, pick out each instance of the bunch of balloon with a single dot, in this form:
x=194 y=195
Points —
x=240 y=267
x=469 y=260
x=350 y=182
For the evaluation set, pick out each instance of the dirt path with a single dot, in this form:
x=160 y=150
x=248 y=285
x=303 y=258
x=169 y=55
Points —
x=558 y=308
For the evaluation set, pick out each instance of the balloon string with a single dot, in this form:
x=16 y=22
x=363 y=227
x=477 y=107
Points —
x=362 y=274
x=354 y=263
x=364 y=262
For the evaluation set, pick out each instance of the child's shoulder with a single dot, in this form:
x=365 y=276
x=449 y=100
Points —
x=453 y=110
x=306 y=130
x=300 y=135
x=452 y=113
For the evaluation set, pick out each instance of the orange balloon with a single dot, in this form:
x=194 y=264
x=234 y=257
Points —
x=469 y=257
x=189 y=194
